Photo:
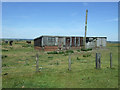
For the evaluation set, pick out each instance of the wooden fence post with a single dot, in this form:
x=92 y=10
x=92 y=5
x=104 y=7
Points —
x=69 y=62
x=99 y=60
x=110 y=60
x=37 y=66
x=96 y=60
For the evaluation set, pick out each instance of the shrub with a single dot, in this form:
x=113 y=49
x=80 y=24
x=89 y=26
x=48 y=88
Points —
x=89 y=49
x=61 y=52
x=54 y=52
x=69 y=51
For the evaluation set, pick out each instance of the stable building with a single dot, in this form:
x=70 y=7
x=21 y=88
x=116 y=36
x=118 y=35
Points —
x=54 y=43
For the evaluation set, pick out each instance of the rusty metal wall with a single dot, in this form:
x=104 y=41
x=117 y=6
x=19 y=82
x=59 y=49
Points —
x=73 y=41
x=81 y=41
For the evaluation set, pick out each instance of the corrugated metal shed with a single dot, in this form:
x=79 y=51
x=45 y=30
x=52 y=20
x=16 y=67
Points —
x=69 y=41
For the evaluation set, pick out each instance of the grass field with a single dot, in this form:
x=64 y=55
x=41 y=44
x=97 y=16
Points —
x=19 y=68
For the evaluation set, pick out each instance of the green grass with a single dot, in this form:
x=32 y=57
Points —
x=20 y=66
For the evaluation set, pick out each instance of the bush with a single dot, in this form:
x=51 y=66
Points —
x=54 y=52
x=89 y=49
x=69 y=51
x=61 y=52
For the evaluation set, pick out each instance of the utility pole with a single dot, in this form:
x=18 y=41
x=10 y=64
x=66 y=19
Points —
x=85 y=30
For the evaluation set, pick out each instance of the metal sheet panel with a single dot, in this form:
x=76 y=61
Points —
x=64 y=41
x=60 y=41
x=56 y=42
x=103 y=42
x=98 y=42
x=45 y=41
x=90 y=44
